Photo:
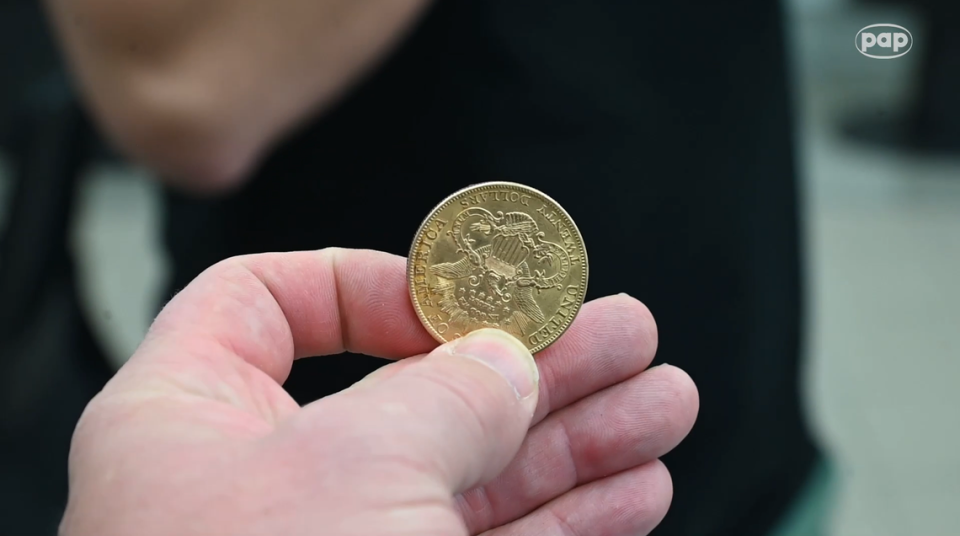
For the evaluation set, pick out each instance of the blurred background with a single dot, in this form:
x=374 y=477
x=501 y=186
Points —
x=880 y=162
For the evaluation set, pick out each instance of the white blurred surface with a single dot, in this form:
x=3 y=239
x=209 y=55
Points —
x=121 y=262
x=883 y=231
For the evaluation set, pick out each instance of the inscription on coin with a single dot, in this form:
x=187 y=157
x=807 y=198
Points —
x=499 y=255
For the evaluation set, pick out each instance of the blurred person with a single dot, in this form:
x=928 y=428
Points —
x=664 y=129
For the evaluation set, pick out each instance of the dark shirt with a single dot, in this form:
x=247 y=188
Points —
x=663 y=128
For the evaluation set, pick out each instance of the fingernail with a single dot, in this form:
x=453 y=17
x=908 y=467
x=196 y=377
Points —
x=504 y=354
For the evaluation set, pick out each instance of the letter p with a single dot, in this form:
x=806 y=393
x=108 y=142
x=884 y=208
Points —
x=867 y=40
x=899 y=41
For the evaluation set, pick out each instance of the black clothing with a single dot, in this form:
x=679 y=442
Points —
x=665 y=131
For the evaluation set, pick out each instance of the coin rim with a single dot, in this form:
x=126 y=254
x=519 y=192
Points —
x=417 y=238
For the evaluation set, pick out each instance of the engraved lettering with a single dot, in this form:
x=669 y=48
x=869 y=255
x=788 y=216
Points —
x=420 y=281
x=570 y=242
x=567 y=303
x=433 y=233
x=496 y=195
x=421 y=259
x=550 y=216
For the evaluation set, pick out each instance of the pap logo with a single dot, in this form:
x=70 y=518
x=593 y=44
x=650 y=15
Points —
x=884 y=41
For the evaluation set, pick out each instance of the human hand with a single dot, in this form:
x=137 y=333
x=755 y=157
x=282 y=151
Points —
x=196 y=437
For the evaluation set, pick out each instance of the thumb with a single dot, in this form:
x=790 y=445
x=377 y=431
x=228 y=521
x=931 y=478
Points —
x=460 y=413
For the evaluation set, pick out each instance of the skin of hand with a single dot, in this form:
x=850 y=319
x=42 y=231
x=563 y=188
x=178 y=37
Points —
x=195 y=436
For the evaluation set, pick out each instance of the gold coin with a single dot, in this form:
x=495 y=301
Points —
x=498 y=255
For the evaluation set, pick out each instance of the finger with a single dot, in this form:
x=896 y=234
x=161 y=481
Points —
x=611 y=339
x=631 y=503
x=624 y=426
x=271 y=308
x=457 y=416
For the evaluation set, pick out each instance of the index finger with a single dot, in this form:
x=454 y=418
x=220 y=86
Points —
x=269 y=309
